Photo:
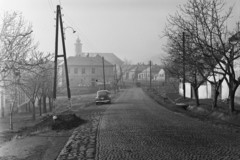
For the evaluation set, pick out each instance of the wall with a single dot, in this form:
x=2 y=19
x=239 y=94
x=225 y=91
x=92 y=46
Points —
x=89 y=78
x=187 y=89
x=204 y=91
x=225 y=90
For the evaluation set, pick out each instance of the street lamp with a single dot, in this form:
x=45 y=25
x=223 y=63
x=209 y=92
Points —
x=67 y=28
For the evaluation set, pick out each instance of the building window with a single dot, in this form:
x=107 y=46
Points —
x=76 y=70
x=93 y=70
x=83 y=71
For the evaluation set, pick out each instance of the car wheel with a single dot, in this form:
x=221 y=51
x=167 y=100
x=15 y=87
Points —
x=96 y=103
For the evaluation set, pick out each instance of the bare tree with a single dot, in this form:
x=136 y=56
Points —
x=121 y=70
x=12 y=93
x=205 y=22
x=46 y=84
x=183 y=62
x=16 y=44
x=17 y=51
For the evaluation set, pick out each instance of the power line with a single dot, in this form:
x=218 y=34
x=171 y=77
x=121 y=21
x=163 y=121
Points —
x=85 y=46
x=51 y=9
x=51 y=4
x=88 y=43
x=84 y=37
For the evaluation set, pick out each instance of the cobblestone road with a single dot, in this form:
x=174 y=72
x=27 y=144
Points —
x=135 y=127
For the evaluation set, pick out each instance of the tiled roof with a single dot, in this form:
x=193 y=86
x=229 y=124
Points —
x=110 y=57
x=153 y=69
x=140 y=68
x=85 y=61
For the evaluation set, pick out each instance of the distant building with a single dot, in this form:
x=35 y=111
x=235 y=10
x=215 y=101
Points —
x=110 y=57
x=155 y=71
x=86 y=69
x=132 y=71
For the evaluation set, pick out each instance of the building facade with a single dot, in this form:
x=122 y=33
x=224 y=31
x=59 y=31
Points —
x=86 y=69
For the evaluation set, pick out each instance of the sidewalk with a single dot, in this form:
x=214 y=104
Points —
x=175 y=97
x=219 y=116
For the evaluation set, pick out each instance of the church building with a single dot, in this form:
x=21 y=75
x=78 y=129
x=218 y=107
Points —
x=86 y=69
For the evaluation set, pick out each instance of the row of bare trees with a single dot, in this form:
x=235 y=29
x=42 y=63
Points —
x=22 y=66
x=201 y=44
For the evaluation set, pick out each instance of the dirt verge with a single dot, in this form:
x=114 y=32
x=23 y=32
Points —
x=218 y=117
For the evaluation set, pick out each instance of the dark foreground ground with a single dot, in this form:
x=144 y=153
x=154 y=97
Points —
x=46 y=143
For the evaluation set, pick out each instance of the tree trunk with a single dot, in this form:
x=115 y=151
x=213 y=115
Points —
x=231 y=100
x=2 y=107
x=196 y=96
x=216 y=93
x=50 y=104
x=215 y=99
x=11 y=115
x=40 y=106
x=29 y=106
x=44 y=104
x=2 y=111
x=33 y=111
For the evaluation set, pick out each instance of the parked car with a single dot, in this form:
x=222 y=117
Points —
x=103 y=96
x=138 y=84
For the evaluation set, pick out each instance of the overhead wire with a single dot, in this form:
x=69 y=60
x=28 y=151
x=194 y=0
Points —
x=83 y=37
x=51 y=4
x=90 y=45
x=84 y=46
x=51 y=9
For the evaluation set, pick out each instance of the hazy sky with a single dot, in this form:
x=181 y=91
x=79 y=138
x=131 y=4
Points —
x=128 y=28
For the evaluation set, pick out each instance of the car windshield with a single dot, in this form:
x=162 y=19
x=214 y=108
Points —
x=102 y=93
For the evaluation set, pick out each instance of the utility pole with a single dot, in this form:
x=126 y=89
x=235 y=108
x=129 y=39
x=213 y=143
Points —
x=115 y=75
x=150 y=64
x=115 y=78
x=184 y=89
x=59 y=17
x=104 y=84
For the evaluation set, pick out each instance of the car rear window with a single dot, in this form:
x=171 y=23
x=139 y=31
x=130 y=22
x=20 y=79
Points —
x=102 y=93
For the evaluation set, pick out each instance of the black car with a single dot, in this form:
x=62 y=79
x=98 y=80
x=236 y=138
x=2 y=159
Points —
x=103 y=96
x=138 y=84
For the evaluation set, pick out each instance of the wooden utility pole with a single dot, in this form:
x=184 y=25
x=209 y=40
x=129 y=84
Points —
x=59 y=17
x=115 y=75
x=104 y=84
x=150 y=64
x=184 y=89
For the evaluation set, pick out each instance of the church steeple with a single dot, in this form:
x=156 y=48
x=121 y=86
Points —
x=78 y=48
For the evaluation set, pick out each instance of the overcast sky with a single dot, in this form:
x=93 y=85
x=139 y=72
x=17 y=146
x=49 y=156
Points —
x=128 y=28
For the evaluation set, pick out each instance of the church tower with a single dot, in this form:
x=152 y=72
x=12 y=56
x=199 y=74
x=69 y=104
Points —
x=78 y=48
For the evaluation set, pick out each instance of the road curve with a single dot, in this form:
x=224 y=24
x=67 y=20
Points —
x=136 y=127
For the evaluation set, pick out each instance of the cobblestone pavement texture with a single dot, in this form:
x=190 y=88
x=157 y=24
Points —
x=82 y=143
x=136 y=127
